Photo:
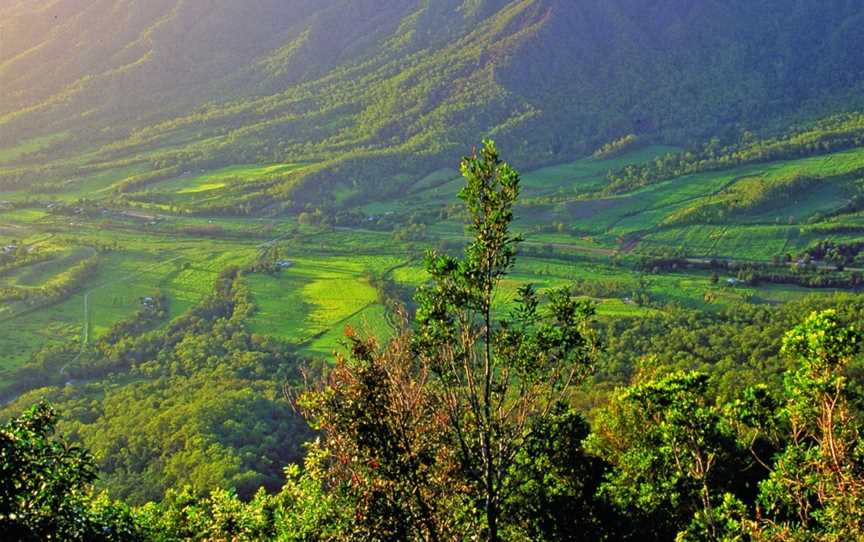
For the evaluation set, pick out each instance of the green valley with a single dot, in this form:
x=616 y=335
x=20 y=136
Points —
x=261 y=264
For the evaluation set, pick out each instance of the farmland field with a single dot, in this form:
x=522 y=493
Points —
x=305 y=303
x=327 y=279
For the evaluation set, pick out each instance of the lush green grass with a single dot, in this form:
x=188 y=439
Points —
x=28 y=146
x=328 y=287
x=21 y=337
x=760 y=234
x=99 y=183
x=91 y=186
x=206 y=186
x=436 y=178
x=37 y=274
x=441 y=187
x=372 y=321
x=22 y=216
x=310 y=303
x=585 y=174
x=185 y=270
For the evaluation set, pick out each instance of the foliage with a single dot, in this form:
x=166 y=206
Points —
x=822 y=137
x=614 y=148
x=555 y=483
x=816 y=486
x=471 y=423
x=390 y=452
x=371 y=94
x=497 y=375
x=46 y=486
x=672 y=453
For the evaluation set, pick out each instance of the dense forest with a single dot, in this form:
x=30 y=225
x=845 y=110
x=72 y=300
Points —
x=527 y=422
x=367 y=93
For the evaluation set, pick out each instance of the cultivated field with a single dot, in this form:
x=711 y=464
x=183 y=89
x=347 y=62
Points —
x=329 y=274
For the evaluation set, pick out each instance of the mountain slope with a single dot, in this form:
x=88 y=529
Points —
x=370 y=88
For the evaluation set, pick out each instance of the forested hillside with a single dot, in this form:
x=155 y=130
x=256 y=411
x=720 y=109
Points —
x=374 y=90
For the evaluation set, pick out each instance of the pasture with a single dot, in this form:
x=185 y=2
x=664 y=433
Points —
x=30 y=146
x=184 y=270
x=330 y=281
x=199 y=182
x=311 y=302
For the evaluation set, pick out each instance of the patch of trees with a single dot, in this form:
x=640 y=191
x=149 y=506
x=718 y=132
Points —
x=11 y=293
x=82 y=208
x=46 y=486
x=556 y=252
x=661 y=460
x=55 y=289
x=410 y=232
x=606 y=288
x=137 y=182
x=69 y=281
x=616 y=147
x=837 y=254
x=755 y=273
x=153 y=309
x=395 y=297
x=745 y=196
x=825 y=136
x=204 y=407
x=318 y=218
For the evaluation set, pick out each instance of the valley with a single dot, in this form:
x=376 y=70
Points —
x=431 y=270
x=153 y=240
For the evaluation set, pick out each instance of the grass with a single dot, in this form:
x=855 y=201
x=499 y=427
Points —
x=207 y=181
x=310 y=303
x=29 y=146
x=441 y=186
x=22 y=216
x=100 y=183
x=38 y=274
x=372 y=321
x=185 y=270
x=587 y=173
x=22 y=337
x=328 y=286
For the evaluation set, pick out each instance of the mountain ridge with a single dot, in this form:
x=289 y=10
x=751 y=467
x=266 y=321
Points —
x=352 y=81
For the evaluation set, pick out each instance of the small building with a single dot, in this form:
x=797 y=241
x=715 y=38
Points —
x=284 y=264
x=734 y=282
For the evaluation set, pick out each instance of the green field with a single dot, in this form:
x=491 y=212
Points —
x=33 y=145
x=585 y=174
x=311 y=302
x=327 y=285
x=184 y=270
x=200 y=182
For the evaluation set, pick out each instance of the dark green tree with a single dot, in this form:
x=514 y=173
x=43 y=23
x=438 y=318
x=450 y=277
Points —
x=672 y=452
x=553 y=485
x=46 y=487
x=816 y=488
x=498 y=374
